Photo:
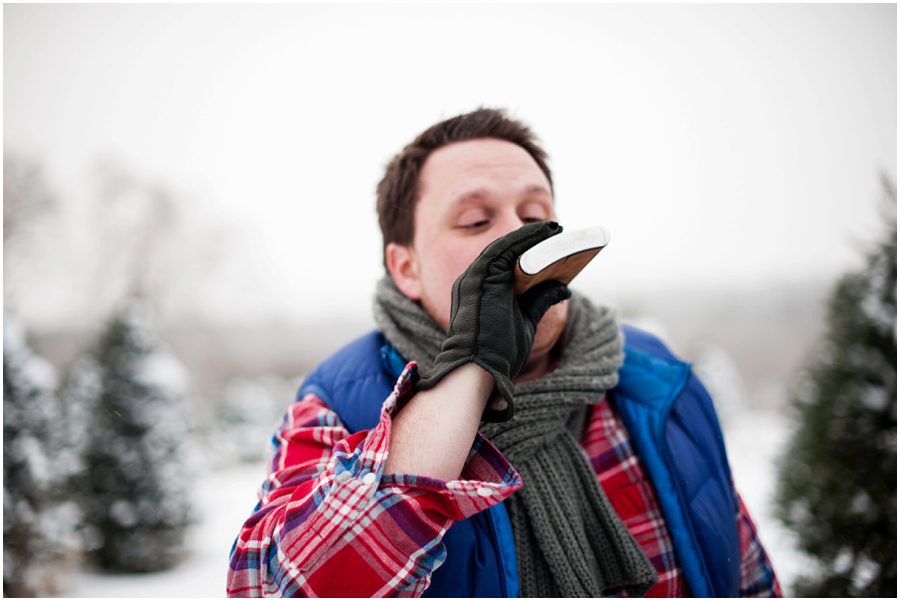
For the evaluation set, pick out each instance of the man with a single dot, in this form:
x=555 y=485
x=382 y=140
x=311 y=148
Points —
x=530 y=447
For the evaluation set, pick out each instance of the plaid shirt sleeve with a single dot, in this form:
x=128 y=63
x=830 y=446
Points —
x=330 y=522
x=757 y=576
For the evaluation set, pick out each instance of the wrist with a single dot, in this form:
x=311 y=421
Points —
x=476 y=376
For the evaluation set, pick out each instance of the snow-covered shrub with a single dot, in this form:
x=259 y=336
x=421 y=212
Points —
x=40 y=544
x=838 y=478
x=137 y=499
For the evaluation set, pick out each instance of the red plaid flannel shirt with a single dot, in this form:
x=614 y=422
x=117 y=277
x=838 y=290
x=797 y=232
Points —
x=330 y=522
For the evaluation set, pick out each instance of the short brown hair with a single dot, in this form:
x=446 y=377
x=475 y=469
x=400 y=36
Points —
x=398 y=190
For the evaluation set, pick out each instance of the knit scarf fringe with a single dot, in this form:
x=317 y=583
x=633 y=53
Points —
x=570 y=542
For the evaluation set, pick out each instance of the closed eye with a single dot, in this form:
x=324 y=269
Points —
x=475 y=224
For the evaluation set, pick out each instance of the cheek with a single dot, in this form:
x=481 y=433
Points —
x=454 y=261
x=439 y=272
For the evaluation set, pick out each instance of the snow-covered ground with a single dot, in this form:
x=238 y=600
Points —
x=226 y=497
x=754 y=441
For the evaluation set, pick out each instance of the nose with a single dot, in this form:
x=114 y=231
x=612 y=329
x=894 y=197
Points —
x=508 y=221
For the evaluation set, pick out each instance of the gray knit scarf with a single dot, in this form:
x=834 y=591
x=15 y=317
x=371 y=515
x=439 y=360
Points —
x=570 y=542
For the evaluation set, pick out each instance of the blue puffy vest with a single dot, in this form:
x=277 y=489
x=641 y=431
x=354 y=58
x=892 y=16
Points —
x=673 y=428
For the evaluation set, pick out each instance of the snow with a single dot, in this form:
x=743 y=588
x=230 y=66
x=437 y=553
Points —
x=873 y=303
x=28 y=450
x=224 y=499
x=163 y=370
x=875 y=398
x=41 y=372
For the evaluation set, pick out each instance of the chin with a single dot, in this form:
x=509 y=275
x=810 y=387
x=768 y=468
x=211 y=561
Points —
x=550 y=329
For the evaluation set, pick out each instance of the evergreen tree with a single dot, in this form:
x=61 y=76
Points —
x=80 y=396
x=838 y=477
x=40 y=545
x=137 y=483
x=251 y=410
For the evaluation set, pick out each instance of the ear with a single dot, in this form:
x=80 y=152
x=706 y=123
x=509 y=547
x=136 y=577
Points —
x=403 y=265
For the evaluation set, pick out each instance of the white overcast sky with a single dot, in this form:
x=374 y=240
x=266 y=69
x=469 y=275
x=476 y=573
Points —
x=727 y=144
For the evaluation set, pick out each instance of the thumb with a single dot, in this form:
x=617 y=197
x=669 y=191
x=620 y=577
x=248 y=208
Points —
x=536 y=301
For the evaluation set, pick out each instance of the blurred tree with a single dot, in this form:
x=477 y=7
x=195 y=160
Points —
x=31 y=219
x=251 y=410
x=113 y=231
x=137 y=499
x=80 y=396
x=149 y=241
x=40 y=545
x=838 y=478
x=25 y=197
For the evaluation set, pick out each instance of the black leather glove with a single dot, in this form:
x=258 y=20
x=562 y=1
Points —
x=489 y=325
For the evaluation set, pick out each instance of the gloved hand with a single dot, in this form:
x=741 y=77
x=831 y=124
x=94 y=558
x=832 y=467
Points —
x=489 y=325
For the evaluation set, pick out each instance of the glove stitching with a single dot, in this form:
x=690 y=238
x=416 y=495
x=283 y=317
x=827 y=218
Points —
x=478 y=311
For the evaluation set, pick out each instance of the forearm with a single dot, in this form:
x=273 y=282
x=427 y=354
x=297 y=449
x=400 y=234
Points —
x=433 y=434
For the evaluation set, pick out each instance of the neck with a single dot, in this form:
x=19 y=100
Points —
x=542 y=365
x=535 y=369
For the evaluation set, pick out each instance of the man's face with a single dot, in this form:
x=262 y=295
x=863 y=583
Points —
x=470 y=194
